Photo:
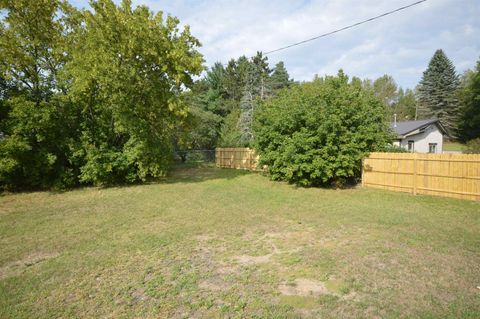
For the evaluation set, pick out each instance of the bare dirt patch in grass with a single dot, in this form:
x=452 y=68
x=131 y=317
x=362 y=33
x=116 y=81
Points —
x=139 y=295
x=18 y=266
x=214 y=284
x=303 y=287
x=271 y=241
x=226 y=270
x=253 y=260
x=310 y=287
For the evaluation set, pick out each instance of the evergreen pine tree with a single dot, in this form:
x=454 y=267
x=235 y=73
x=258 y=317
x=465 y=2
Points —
x=437 y=92
x=235 y=77
x=216 y=77
x=279 y=78
x=258 y=75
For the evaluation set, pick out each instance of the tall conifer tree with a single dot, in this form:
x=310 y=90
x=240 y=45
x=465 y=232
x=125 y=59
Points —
x=279 y=78
x=437 y=92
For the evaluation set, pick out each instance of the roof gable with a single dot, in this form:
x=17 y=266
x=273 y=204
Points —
x=403 y=128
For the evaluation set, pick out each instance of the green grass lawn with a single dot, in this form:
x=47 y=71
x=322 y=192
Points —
x=211 y=243
x=454 y=146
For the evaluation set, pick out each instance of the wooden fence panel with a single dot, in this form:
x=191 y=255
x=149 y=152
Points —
x=447 y=175
x=239 y=158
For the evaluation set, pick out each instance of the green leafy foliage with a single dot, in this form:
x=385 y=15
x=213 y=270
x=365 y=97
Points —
x=385 y=89
x=97 y=94
x=317 y=133
x=397 y=101
x=230 y=134
x=232 y=93
x=470 y=101
x=473 y=146
x=127 y=71
x=199 y=131
x=38 y=122
x=406 y=106
x=394 y=149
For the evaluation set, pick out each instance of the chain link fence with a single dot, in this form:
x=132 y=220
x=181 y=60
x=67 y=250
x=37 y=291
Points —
x=194 y=156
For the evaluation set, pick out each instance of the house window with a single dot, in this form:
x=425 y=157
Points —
x=432 y=147
x=411 y=146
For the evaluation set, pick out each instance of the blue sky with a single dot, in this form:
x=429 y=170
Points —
x=400 y=45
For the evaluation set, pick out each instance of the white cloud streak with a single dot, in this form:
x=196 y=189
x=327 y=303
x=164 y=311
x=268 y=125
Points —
x=400 y=44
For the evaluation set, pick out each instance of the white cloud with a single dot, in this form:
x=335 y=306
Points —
x=400 y=44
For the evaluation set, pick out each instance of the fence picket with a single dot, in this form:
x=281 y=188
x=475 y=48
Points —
x=448 y=175
x=239 y=158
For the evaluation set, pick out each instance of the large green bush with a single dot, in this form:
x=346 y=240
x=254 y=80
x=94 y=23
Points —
x=317 y=133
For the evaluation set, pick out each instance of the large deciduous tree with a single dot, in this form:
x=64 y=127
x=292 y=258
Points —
x=396 y=100
x=405 y=108
x=470 y=105
x=127 y=70
x=385 y=89
x=38 y=122
x=437 y=92
x=90 y=96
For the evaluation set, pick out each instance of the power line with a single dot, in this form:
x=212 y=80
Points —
x=341 y=29
x=345 y=28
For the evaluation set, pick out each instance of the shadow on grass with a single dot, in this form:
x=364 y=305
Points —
x=190 y=172
x=198 y=172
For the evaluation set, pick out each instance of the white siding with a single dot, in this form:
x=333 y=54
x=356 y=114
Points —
x=431 y=135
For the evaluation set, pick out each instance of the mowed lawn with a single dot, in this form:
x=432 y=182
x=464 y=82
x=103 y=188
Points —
x=454 y=146
x=211 y=243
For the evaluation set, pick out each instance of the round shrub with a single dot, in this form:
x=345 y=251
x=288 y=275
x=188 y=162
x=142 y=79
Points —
x=317 y=133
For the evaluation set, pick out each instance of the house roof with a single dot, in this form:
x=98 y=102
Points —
x=403 y=128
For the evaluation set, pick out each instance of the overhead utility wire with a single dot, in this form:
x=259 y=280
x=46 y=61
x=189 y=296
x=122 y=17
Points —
x=345 y=28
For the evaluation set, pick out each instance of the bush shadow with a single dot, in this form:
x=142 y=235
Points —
x=197 y=173
x=189 y=172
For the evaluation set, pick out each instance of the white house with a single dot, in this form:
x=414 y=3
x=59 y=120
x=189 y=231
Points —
x=424 y=136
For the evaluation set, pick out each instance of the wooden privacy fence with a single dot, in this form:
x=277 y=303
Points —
x=448 y=175
x=240 y=158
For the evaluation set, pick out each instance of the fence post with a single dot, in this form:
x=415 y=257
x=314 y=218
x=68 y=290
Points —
x=414 y=173
x=252 y=160
x=363 y=175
